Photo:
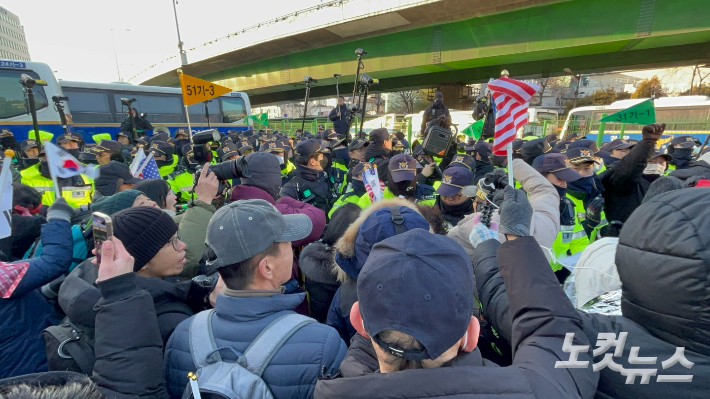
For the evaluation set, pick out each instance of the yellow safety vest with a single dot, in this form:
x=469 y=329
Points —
x=75 y=196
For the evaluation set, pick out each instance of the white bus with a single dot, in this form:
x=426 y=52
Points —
x=686 y=115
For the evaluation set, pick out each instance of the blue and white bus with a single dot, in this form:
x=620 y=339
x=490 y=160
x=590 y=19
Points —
x=96 y=107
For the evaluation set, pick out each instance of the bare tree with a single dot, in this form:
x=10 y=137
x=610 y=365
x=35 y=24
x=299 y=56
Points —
x=543 y=83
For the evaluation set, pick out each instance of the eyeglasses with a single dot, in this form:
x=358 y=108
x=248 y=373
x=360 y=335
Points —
x=175 y=241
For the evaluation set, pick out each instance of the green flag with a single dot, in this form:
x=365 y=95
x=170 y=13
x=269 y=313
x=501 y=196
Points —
x=642 y=113
x=262 y=119
x=474 y=131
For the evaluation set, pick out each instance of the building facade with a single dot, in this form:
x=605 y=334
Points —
x=13 y=43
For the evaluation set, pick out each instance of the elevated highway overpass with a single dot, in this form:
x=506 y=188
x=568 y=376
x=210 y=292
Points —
x=415 y=44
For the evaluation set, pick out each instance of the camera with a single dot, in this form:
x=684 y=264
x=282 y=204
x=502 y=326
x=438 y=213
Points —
x=335 y=75
x=366 y=80
x=27 y=81
x=57 y=99
x=234 y=169
x=127 y=102
x=308 y=79
x=487 y=186
x=360 y=52
x=202 y=150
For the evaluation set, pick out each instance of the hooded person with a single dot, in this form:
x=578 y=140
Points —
x=451 y=202
x=483 y=160
x=382 y=220
x=379 y=151
x=317 y=262
x=699 y=168
x=114 y=177
x=670 y=326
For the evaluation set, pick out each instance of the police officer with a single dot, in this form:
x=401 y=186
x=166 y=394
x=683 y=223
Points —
x=586 y=192
x=435 y=111
x=77 y=190
x=107 y=151
x=681 y=150
x=181 y=179
x=30 y=153
x=379 y=151
x=278 y=148
x=311 y=184
x=182 y=134
x=451 y=202
x=572 y=237
x=353 y=191
x=484 y=166
x=402 y=182
x=430 y=173
x=245 y=147
x=336 y=175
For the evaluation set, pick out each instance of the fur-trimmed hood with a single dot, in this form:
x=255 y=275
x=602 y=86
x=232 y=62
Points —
x=317 y=262
x=354 y=246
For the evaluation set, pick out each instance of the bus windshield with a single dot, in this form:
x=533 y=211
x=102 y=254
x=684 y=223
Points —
x=12 y=97
x=233 y=109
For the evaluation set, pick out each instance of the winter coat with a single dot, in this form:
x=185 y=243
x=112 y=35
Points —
x=378 y=155
x=313 y=352
x=174 y=302
x=624 y=185
x=544 y=200
x=192 y=228
x=340 y=123
x=675 y=264
x=323 y=190
x=24 y=313
x=352 y=250
x=482 y=168
x=540 y=326
x=700 y=168
x=25 y=231
x=317 y=262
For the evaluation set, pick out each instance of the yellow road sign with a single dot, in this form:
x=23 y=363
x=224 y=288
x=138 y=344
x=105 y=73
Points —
x=195 y=90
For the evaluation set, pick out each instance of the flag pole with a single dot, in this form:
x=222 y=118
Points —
x=509 y=151
x=189 y=127
x=53 y=175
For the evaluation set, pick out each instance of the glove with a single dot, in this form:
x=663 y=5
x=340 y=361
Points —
x=480 y=233
x=515 y=213
x=60 y=210
x=653 y=132
x=594 y=212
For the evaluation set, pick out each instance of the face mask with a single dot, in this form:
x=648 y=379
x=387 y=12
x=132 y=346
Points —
x=44 y=168
x=562 y=191
x=654 y=169
x=8 y=142
x=358 y=186
x=341 y=153
x=163 y=163
x=585 y=185
x=281 y=162
x=74 y=152
x=681 y=157
x=327 y=161
x=461 y=209
x=403 y=188
x=30 y=162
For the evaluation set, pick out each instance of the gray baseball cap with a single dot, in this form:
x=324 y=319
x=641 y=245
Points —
x=242 y=229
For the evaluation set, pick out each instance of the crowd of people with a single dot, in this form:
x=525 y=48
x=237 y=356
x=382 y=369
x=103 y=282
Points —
x=298 y=280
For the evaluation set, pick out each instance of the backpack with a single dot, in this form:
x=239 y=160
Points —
x=80 y=248
x=216 y=378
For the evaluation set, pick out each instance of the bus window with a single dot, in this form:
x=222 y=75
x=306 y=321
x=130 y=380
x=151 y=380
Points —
x=159 y=108
x=233 y=109
x=12 y=98
x=197 y=112
x=579 y=122
x=88 y=106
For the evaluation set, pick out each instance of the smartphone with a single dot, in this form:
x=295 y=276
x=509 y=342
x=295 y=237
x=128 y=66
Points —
x=103 y=231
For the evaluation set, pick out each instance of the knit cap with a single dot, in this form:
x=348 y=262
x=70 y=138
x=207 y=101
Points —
x=117 y=202
x=143 y=231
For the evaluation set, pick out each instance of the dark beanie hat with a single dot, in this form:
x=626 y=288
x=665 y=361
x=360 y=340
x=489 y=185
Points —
x=117 y=202
x=143 y=231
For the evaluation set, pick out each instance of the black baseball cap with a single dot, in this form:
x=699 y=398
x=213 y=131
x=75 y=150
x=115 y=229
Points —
x=115 y=170
x=161 y=136
x=6 y=133
x=659 y=153
x=357 y=144
x=453 y=180
x=418 y=283
x=584 y=143
x=357 y=169
x=403 y=167
x=182 y=131
x=483 y=149
x=244 y=146
x=274 y=146
x=87 y=153
x=27 y=144
x=63 y=138
x=159 y=148
x=122 y=134
x=619 y=144
x=557 y=164
x=379 y=136
x=310 y=148
x=227 y=150
x=464 y=160
x=531 y=149
x=108 y=146
x=684 y=142
x=579 y=155
x=562 y=146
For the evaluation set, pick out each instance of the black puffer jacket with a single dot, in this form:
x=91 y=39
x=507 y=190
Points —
x=317 y=262
x=676 y=264
x=378 y=155
x=624 y=184
x=696 y=168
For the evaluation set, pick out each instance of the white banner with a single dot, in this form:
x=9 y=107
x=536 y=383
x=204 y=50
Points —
x=6 y=199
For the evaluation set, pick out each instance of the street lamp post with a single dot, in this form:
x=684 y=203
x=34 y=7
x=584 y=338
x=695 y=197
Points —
x=183 y=54
x=115 y=56
x=579 y=82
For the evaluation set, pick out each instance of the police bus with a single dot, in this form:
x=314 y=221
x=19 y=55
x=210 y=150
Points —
x=96 y=107
x=685 y=115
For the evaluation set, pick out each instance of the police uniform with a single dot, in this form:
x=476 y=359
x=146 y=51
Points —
x=403 y=167
x=181 y=180
x=353 y=191
x=310 y=185
x=76 y=194
x=453 y=181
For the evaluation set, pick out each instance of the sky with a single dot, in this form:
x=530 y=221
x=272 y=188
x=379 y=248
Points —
x=75 y=36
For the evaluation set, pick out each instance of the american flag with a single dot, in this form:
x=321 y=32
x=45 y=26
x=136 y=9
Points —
x=512 y=98
x=150 y=170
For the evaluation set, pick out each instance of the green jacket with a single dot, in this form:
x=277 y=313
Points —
x=348 y=197
x=168 y=169
x=192 y=228
x=75 y=196
x=181 y=182
x=426 y=197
